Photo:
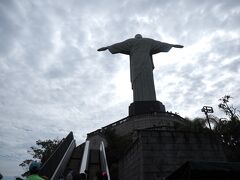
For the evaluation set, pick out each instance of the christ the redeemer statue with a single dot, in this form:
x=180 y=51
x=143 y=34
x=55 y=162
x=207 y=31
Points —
x=140 y=51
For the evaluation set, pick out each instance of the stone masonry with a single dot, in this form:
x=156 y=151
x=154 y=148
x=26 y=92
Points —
x=157 y=153
x=129 y=124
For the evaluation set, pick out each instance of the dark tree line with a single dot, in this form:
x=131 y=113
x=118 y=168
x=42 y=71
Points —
x=41 y=152
x=227 y=129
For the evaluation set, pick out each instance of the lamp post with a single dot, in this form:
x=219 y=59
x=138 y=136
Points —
x=206 y=110
x=223 y=120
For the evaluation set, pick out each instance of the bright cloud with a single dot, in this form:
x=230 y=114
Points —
x=52 y=79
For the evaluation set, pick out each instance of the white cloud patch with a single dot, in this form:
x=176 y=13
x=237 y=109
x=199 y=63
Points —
x=52 y=79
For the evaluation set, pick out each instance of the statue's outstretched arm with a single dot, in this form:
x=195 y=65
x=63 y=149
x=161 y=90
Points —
x=102 y=49
x=177 y=46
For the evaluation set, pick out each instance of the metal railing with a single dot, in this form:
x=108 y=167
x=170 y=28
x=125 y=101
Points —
x=119 y=122
x=85 y=158
x=53 y=164
x=103 y=160
x=63 y=163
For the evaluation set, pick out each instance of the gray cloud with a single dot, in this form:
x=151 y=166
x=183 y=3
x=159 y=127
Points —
x=52 y=79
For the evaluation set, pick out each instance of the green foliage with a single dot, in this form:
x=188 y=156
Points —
x=195 y=125
x=229 y=133
x=117 y=144
x=229 y=110
x=229 y=129
x=199 y=125
x=42 y=151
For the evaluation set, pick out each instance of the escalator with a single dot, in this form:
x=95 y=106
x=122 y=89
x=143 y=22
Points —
x=94 y=166
x=68 y=158
x=75 y=160
x=94 y=162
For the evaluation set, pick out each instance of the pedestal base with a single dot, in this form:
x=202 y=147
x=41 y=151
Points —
x=145 y=107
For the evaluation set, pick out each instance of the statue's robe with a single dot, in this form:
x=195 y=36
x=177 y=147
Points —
x=141 y=64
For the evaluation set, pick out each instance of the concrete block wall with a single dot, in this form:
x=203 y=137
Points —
x=131 y=123
x=131 y=166
x=96 y=140
x=162 y=152
x=146 y=121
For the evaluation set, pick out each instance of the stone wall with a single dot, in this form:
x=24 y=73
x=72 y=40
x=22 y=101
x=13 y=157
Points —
x=143 y=122
x=96 y=140
x=159 y=153
x=131 y=123
x=131 y=166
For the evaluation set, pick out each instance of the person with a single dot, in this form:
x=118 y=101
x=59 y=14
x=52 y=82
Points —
x=104 y=176
x=140 y=51
x=34 y=170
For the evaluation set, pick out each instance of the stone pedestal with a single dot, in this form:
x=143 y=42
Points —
x=156 y=154
x=145 y=107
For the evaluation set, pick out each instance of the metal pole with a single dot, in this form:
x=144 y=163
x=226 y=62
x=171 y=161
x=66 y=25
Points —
x=208 y=120
x=206 y=110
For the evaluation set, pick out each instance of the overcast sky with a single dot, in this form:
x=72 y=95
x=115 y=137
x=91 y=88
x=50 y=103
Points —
x=53 y=80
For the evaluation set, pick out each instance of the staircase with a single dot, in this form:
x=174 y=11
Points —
x=81 y=159
x=75 y=160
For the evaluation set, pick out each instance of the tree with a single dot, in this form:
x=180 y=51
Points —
x=226 y=129
x=194 y=125
x=229 y=110
x=42 y=151
x=229 y=129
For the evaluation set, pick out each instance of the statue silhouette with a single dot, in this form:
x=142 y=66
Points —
x=140 y=51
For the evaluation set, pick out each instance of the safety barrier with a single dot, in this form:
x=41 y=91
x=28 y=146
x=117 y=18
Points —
x=85 y=158
x=121 y=121
x=53 y=166
x=103 y=160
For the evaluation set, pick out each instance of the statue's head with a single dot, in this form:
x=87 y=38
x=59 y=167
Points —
x=138 y=36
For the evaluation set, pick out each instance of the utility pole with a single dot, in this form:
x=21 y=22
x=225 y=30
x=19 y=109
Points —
x=206 y=110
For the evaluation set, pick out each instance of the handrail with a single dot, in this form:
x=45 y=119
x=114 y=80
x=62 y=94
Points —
x=103 y=160
x=49 y=167
x=85 y=158
x=62 y=165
